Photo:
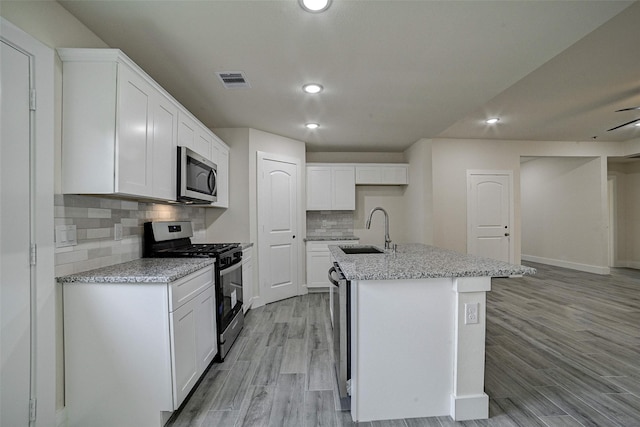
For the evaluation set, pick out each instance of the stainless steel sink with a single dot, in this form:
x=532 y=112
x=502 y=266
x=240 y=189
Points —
x=349 y=250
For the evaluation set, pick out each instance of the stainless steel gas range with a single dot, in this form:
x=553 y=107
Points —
x=172 y=239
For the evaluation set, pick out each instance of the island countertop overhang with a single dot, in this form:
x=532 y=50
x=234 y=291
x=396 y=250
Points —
x=419 y=261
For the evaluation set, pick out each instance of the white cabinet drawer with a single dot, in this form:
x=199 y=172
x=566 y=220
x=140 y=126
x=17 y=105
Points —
x=183 y=290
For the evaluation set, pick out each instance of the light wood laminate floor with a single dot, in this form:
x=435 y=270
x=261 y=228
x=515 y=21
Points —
x=563 y=349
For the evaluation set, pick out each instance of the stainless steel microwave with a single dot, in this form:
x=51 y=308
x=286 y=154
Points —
x=197 y=178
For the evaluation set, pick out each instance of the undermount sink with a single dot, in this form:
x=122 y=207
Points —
x=349 y=250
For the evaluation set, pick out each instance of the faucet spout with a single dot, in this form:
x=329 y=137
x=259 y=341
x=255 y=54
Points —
x=387 y=239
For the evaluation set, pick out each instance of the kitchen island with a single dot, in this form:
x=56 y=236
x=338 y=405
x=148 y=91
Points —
x=418 y=331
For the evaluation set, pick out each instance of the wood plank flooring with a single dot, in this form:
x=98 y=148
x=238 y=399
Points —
x=563 y=350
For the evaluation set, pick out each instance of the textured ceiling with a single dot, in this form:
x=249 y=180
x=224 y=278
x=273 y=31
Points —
x=393 y=71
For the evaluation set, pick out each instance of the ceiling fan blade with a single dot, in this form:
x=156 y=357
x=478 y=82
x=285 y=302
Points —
x=628 y=109
x=624 y=124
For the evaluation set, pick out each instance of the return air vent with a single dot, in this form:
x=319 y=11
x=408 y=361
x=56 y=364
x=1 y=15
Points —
x=233 y=79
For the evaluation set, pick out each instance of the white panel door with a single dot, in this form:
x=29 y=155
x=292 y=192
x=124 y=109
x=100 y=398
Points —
x=278 y=226
x=15 y=281
x=489 y=214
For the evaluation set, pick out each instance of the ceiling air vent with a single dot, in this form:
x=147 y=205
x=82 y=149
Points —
x=233 y=79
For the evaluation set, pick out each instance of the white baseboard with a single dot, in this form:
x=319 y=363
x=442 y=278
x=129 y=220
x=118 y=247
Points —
x=596 y=269
x=629 y=264
x=470 y=407
x=61 y=417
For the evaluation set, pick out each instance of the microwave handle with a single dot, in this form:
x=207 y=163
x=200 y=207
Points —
x=212 y=181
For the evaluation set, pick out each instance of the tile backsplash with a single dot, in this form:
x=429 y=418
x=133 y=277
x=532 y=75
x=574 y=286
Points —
x=95 y=217
x=329 y=223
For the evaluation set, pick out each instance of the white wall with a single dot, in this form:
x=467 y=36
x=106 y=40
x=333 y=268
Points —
x=451 y=159
x=419 y=193
x=232 y=224
x=562 y=217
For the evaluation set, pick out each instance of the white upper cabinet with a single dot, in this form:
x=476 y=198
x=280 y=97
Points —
x=192 y=134
x=382 y=174
x=331 y=187
x=120 y=130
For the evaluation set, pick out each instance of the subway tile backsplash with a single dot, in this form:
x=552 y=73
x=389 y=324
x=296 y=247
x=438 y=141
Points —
x=329 y=223
x=95 y=217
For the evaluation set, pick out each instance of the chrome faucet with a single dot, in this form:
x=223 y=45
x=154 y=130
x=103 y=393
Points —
x=387 y=239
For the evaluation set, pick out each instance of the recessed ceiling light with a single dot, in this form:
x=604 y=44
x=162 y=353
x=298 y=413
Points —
x=492 y=121
x=312 y=88
x=312 y=126
x=315 y=6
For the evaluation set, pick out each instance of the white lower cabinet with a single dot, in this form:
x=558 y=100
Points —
x=134 y=351
x=319 y=261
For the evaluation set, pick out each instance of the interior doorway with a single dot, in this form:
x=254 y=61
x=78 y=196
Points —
x=16 y=283
x=490 y=214
x=278 y=228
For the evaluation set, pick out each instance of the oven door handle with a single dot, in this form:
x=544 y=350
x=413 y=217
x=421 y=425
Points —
x=230 y=269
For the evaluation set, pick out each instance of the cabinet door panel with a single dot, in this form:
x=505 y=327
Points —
x=318 y=188
x=344 y=189
x=133 y=147
x=206 y=328
x=185 y=357
x=318 y=264
x=165 y=123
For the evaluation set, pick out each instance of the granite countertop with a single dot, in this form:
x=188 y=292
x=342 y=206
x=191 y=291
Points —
x=329 y=238
x=418 y=261
x=145 y=270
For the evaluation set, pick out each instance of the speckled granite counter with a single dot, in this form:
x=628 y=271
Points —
x=417 y=261
x=329 y=238
x=145 y=270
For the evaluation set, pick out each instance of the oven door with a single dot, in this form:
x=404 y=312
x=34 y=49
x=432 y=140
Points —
x=197 y=177
x=231 y=293
x=229 y=301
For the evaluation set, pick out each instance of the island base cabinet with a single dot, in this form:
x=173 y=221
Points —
x=425 y=362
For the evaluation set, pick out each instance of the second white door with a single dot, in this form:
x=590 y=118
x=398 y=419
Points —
x=277 y=227
x=489 y=215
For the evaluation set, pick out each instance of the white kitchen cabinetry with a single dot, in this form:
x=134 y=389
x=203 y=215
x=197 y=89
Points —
x=319 y=261
x=119 y=127
x=382 y=174
x=247 y=278
x=331 y=187
x=192 y=134
x=133 y=351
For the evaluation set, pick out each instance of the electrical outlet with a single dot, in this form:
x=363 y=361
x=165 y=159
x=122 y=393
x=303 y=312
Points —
x=117 y=231
x=471 y=313
x=65 y=235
